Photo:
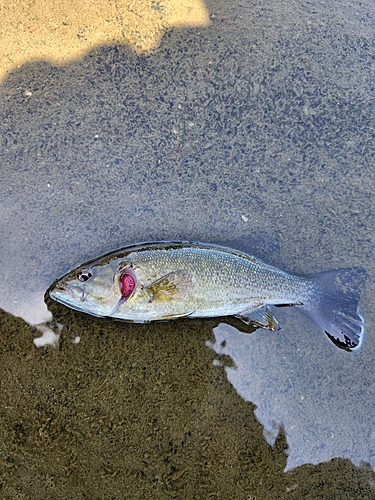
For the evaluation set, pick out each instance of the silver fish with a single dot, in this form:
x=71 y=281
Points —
x=166 y=280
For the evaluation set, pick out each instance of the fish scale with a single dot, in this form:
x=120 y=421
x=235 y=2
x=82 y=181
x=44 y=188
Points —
x=225 y=273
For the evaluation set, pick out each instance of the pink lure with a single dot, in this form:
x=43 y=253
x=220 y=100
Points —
x=127 y=285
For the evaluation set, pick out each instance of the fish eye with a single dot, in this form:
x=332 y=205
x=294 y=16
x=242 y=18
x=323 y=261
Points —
x=84 y=275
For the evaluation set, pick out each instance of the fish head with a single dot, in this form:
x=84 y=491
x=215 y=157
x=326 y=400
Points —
x=98 y=290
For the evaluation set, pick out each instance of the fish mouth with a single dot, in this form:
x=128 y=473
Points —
x=64 y=291
x=75 y=298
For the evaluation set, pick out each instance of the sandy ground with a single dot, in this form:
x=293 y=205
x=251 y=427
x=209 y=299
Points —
x=140 y=413
x=60 y=32
x=234 y=124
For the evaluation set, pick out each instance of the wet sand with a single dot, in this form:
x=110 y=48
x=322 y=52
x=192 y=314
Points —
x=136 y=411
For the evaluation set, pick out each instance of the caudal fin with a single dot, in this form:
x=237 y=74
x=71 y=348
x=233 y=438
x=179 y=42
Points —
x=334 y=306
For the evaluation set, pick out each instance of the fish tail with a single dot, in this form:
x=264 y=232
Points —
x=333 y=305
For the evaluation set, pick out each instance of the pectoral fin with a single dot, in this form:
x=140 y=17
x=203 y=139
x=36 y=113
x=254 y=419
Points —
x=174 y=285
x=261 y=318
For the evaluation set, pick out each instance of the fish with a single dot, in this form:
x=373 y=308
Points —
x=156 y=281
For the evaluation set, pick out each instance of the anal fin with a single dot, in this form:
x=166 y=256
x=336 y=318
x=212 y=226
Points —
x=260 y=318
